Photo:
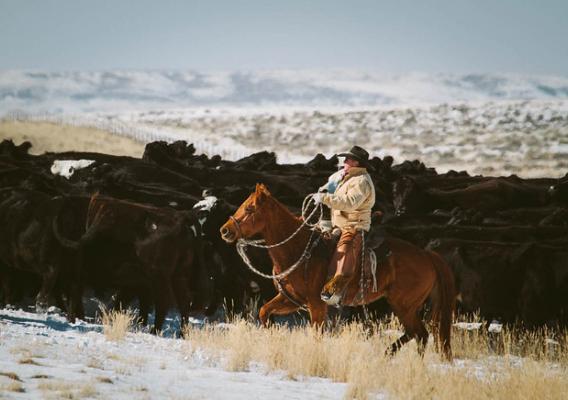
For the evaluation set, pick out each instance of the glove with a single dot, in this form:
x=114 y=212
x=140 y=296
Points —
x=318 y=198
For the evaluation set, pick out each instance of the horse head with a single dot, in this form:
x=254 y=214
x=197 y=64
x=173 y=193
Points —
x=248 y=220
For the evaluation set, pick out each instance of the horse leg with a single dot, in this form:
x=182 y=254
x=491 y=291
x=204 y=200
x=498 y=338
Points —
x=413 y=329
x=318 y=312
x=421 y=336
x=397 y=344
x=279 y=305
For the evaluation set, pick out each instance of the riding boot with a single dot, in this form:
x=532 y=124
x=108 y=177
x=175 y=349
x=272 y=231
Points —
x=344 y=263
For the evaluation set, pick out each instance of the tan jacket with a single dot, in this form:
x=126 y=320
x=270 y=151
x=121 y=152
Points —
x=353 y=200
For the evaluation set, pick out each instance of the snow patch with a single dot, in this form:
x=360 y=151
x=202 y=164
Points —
x=66 y=168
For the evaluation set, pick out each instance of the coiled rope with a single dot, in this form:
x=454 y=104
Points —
x=242 y=243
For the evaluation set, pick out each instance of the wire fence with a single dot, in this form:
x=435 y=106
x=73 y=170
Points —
x=140 y=133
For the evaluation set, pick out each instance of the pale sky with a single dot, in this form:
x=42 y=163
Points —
x=455 y=36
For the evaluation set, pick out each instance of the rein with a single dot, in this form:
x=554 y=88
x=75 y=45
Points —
x=306 y=254
x=242 y=244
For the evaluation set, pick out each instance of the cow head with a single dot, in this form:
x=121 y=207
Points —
x=250 y=218
x=204 y=207
x=404 y=190
x=212 y=212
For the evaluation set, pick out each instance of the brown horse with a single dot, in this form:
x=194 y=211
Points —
x=407 y=278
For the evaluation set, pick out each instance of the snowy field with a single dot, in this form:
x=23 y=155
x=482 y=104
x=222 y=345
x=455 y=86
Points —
x=43 y=356
x=487 y=124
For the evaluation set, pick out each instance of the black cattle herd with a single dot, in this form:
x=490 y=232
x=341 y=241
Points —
x=147 y=230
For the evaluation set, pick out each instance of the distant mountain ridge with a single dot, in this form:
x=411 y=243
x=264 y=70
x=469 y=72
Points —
x=72 y=92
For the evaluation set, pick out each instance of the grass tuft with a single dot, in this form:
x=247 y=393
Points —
x=117 y=323
x=512 y=363
x=15 y=387
x=28 y=361
x=11 y=375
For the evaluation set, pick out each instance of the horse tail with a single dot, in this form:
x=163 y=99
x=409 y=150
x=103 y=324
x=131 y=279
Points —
x=443 y=303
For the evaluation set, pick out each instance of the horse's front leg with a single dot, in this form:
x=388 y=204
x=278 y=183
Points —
x=279 y=305
x=318 y=312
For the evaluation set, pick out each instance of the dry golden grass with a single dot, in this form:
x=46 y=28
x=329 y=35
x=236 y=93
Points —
x=58 y=389
x=29 y=361
x=87 y=390
x=512 y=364
x=117 y=323
x=95 y=363
x=52 y=137
x=104 y=379
x=16 y=387
x=40 y=376
x=54 y=385
x=123 y=370
x=31 y=350
x=11 y=375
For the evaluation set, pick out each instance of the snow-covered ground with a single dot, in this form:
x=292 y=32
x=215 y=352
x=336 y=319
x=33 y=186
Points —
x=44 y=356
x=488 y=124
x=527 y=138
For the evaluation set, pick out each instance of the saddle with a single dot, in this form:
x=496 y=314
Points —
x=375 y=240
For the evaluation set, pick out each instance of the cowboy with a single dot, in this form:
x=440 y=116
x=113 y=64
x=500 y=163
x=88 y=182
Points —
x=351 y=203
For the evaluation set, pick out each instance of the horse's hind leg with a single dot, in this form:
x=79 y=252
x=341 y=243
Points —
x=397 y=344
x=413 y=329
x=279 y=305
x=421 y=337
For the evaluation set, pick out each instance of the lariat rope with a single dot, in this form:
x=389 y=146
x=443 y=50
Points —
x=242 y=243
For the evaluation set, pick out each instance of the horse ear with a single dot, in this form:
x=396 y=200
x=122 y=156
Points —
x=261 y=191
x=265 y=190
x=261 y=188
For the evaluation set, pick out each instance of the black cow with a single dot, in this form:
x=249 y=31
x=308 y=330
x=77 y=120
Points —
x=28 y=243
x=559 y=191
x=510 y=282
x=237 y=284
x=149 y=250
x=490 y=195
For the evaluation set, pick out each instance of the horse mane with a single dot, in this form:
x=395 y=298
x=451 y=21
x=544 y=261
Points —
x=280 y=205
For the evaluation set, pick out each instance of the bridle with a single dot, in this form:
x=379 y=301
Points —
x=237 y=224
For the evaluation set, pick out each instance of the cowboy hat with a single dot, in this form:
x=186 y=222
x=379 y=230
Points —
x=359 y=154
